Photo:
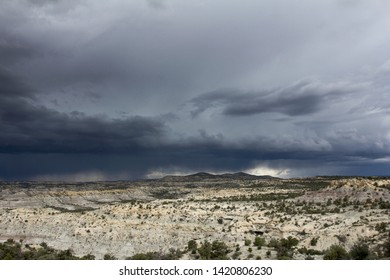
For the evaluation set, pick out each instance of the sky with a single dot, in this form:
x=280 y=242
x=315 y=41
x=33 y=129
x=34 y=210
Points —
x=117 y=90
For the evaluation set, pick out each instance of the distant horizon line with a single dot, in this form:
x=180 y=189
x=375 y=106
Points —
x=192 y=174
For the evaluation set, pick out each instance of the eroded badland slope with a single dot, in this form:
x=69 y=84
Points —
x=126 y=218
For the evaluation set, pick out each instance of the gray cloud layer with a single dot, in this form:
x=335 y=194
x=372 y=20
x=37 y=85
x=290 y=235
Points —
x=27 y=127
x=123 y=89
x=300 y=99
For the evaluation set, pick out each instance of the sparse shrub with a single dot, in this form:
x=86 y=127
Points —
x=360 y=251
x=314 y=240
x=336 y=252
x=273 y=243
x=192 y=246
x=236 y=255
x=342 y=238
x=259 y=242
x=306 y=251
x=145 y=256
x=213 y=251
x=284 y=247
x=89 y=257
x=386 y=248
x=108 y=257
x=173 y=254
x=303 y=232
x=219 y=250
x=381 y=227
x=11 y=250
x=289 y=242
x=247 y=242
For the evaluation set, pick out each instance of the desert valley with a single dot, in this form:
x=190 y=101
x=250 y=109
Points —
x=202 y=216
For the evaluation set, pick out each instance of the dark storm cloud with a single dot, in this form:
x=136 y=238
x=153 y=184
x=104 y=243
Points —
x=189 y=155
x=297 y=100
x=13 y=49
x=126 y=165
x=72 y=143
x=292 y=106
x=36 y=129
x=115 y=87
x=28 y=127
x=11 y=87
x=185 y=157
x=136 y=146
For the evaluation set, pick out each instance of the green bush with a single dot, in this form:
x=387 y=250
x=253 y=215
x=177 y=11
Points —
x=306 y=251
x=386 y=249
x=360 y=251
x=381 y=227
x=273 y=243
x=145 y=256
x=259 y=242
x=236 y=255
x=173 y=254
x=12 y=250
x=336 y=252
x=284 y=247
x=217 y=250
x=205 y=250
x=192 y=246
x=108 y=257
x=289 y=242
x=314 y=240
